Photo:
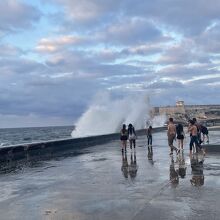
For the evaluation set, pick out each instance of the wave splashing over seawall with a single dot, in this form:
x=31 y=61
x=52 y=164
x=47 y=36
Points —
x=106 y=115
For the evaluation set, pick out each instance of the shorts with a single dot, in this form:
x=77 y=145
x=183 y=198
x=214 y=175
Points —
x=124 y=138
x=180 y=137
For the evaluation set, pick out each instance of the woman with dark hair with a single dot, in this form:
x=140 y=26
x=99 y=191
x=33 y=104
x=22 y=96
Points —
x=180 y=135
x=131 y=135
x=124 y=138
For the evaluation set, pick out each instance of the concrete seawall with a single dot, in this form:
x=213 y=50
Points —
x=54 y=147
x=212 y=148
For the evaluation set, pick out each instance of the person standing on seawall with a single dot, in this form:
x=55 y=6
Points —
x=194 y=137
x=149 y=136
x=180 y=135
x=171 y=134
x=124 y=138
x=198 y=130
x=132 y=136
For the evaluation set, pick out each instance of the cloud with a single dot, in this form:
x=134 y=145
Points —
x=15 y=15
x=87 y=11
x=165 y=48
x=208 y=41
x=130 y=31
x=7 y=50
x=62 y=42
x=184 y=16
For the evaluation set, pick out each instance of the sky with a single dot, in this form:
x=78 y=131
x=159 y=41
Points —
x=57 y=55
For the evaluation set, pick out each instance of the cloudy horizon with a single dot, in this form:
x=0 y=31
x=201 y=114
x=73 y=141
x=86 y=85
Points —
x=56 y=56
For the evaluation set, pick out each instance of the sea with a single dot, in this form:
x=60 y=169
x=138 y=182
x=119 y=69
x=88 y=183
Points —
x=15 y=136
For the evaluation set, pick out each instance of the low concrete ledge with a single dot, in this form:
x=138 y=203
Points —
x=212 y=148
x=22 y=151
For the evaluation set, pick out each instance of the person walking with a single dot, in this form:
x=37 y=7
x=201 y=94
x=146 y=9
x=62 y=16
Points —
x=132 y=136
x=171 y=134
x=198 y=125
x=194 y=137
x=180 y=135
x=124 y=138
x=149 y=136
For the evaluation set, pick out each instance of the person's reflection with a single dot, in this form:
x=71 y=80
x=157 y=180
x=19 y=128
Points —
x=150 y=155
x=133 y=166
x=197 y=170
x=124 y=167
x=174 y=178
x=182 y=165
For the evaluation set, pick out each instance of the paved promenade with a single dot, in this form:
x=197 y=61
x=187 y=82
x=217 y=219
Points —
x=98 y=183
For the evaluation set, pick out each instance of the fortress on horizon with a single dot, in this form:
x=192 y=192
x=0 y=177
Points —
x=182 y=112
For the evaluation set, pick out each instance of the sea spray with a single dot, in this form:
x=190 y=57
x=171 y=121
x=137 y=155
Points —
x=107 y=114
x=159 y=121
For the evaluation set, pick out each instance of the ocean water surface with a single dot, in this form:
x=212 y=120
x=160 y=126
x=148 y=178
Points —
x=14 y=136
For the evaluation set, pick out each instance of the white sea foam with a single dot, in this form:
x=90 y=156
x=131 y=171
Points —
x=159 y=121
x=106 y=115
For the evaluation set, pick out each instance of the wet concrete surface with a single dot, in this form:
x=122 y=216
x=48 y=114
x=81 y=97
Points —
x=100 y=183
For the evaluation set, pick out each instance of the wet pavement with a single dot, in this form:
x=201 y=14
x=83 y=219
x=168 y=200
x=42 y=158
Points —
x=101 y=183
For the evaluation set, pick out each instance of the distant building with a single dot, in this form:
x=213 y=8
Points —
x=179 y=103
x=182 y=112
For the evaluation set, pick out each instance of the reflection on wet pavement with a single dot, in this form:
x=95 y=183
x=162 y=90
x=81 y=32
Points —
x=129 y=169
x=103 y=183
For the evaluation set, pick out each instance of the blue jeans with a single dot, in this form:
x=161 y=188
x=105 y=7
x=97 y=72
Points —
x=194 y=139
x=149 y=140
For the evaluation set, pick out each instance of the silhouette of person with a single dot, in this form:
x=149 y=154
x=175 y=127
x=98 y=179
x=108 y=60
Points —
x=149 y=136
x=124 y=166
x=150 y=155
x=133 y=168
x=197 y=171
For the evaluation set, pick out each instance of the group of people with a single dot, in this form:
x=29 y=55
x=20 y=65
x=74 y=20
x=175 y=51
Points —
x=177 y=132
x=198 y=135
x=128 y=134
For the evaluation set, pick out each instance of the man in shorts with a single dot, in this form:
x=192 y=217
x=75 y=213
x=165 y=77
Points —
x=171 y=134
